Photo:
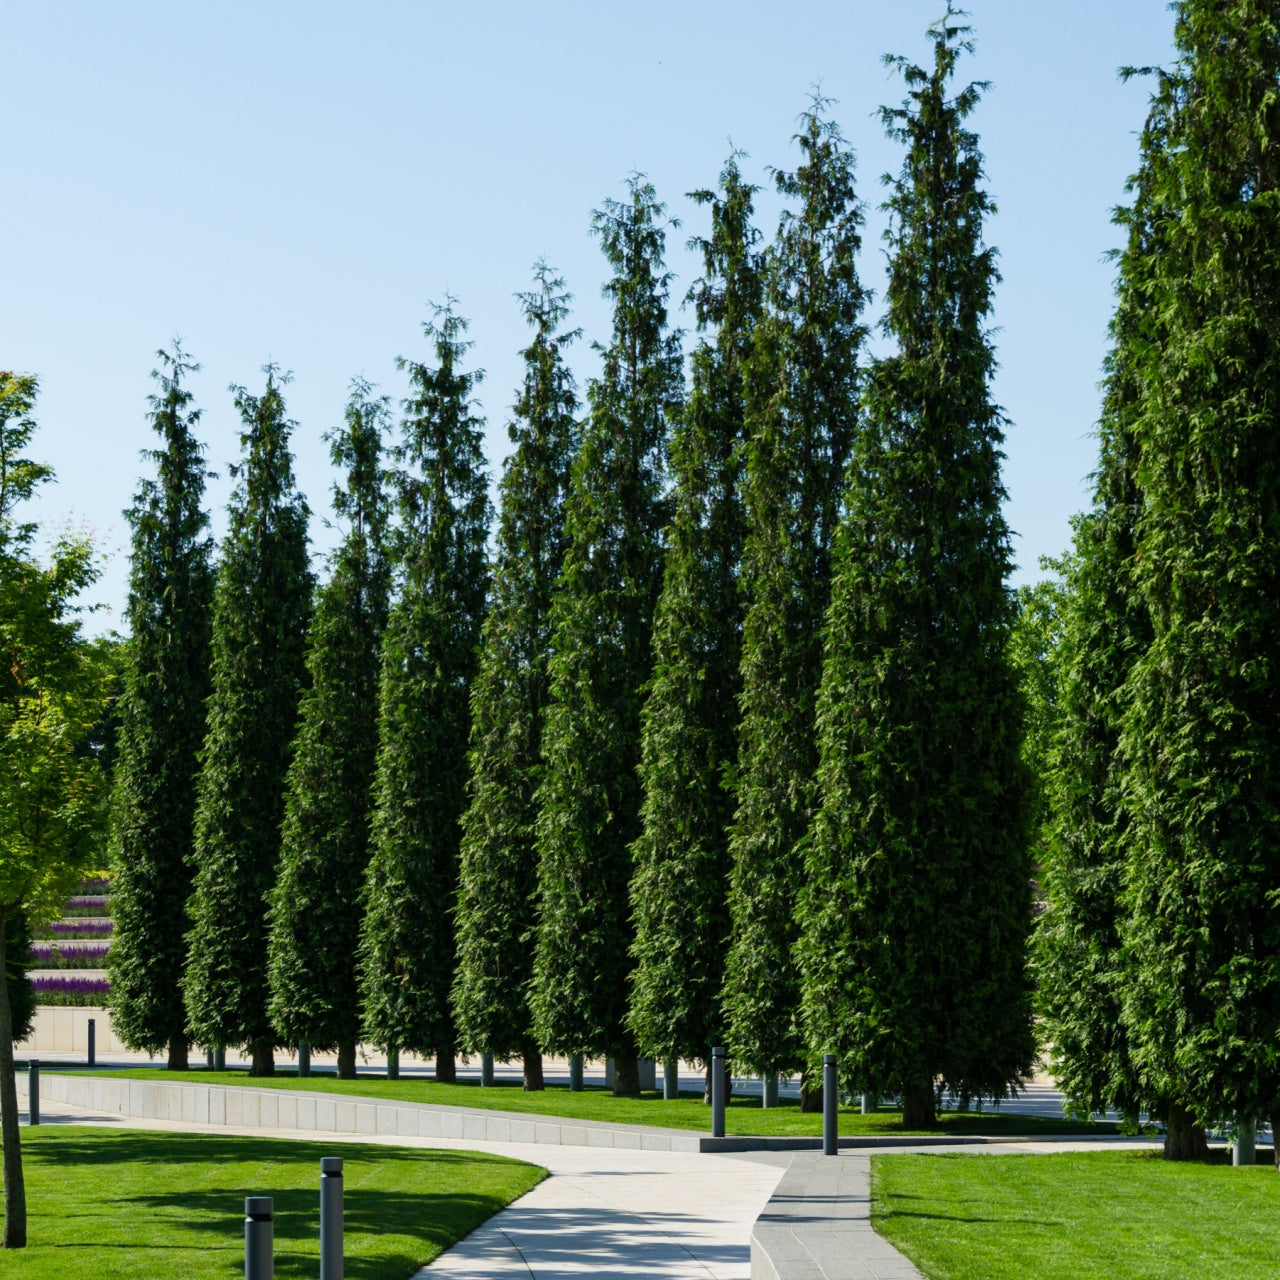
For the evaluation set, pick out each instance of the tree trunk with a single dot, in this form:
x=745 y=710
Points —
x=918 y=1109
x=15 y=1190
x=446 y=1065
x=178 y=1060
x=347 y=1060
x=532 y=1060
x=810 y=1094
x=626 y=1075
x=1184 y=1139
x=1274 y=1117
x=263 y=1060
x=393 y=1064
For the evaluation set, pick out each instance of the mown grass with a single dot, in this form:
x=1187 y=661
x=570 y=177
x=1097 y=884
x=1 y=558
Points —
x=1123 y=1215
x=133 y=1205
x=744 y=1116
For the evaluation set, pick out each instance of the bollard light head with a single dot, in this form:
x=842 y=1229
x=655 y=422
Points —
x=331 y=1166
x=829 y=1059
x=259 y=1208
x=717 y=1051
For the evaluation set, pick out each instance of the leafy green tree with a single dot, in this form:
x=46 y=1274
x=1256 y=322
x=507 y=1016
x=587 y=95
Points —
x=429 y=656
x=316 y=903
x=260 y=613
x=602 y=620
x=498 y=875
x=679 y=892
x=1200 y=730
x=917 y=910
x=51 y=694
x=162 y=724
x=802 y=386
x=22 y=994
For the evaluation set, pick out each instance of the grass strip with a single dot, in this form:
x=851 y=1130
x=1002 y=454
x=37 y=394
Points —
x=744 y=1116
x=134 y=1204
x=1125 y=1215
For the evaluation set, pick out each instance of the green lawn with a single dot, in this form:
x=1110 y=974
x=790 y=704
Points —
x=744 y=1116
x=1122 y=1215
x=120 y=1204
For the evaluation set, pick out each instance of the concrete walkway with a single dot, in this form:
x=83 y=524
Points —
x=604 y=1211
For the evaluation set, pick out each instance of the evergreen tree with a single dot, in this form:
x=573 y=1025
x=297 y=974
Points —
x=1200 y=735
x=917 y=911
x=802 y=384
x=602 y=619
x=260 y=613
x=429 y=657
x=316 y=905
x=498 y=876
x=162 y=725
x=679 y=892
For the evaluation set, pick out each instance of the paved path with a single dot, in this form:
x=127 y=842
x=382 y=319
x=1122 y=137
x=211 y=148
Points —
x=666 y=1215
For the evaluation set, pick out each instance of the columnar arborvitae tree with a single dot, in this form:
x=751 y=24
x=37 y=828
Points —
x=917 y=909
x=496 y=903
x=1105 y=628
x=260 y=612
x=1201 y=722
x=316 y=907
x=679 y=892
x=801 y=402
x=589 y=801
x=429 y=656
x=162 y=726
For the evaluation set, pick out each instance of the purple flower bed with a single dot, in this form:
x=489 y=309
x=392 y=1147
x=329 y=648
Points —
x=80 y=991
x=97 y=884
x=94 y=904
x=92 y=929
x=67 y=955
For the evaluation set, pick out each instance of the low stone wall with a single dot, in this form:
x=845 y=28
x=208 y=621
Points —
x=242 y=1107
x=65 y=1029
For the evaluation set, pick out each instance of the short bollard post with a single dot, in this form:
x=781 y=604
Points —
x=670 y=1081
x=331 y=1218
x=304 y=1059
x=219 y=1058
x=717 y=1091
x=1244 y=1150
x=259 y=1238
x=486 y=1070
x=33 y=1091
x=575 y=1073
x=770 y=1092
x=93 y=1041
x=830 y=1105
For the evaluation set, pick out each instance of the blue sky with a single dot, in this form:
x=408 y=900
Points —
x=296 y=182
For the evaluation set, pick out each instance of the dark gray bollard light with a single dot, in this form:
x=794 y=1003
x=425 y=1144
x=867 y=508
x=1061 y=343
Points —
x=1244 y=1143
x=331 y=1218
x=486 y=1070
x=670 y=1081
x=575 y=1073
x=717 y=1091
x=304 y=1059
x=93 y=1041
x=259 y=1238
x=33 y=1091
x=830 y=1106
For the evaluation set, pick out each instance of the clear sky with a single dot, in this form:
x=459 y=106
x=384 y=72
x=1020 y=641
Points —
x=296 y=182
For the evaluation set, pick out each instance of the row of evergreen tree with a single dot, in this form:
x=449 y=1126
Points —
x=720 y=745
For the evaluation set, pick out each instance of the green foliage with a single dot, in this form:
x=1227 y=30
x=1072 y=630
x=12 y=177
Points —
x=917 y=910
x=325 y=845
x=602 y=619
x=429 y=655
x=801 y=419
x=679 y=892
x=260 y=613
x=161 y=723
x=497 y=882
x=1200 y=734
x=22 y=995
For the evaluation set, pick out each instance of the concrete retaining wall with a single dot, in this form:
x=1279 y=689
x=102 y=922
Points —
x=65 y=1029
